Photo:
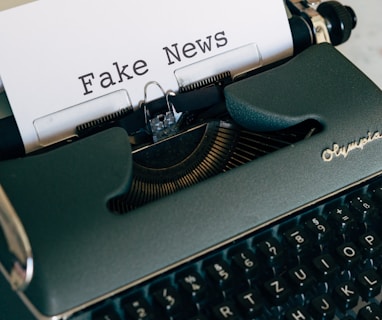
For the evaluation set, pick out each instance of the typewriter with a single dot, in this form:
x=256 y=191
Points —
x=262 y=200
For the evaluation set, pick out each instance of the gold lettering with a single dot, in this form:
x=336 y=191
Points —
x=336 y=151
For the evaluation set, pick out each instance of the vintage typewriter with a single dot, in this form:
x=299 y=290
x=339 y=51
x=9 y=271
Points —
x=254 y=198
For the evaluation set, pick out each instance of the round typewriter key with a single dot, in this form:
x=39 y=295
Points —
x=220 y=274
x=168 y=300
x=346 y=295
x=370 y=312
x=363 y=207
x=371 y=244
x=193 y=285
x=342 y=220
x=322 y=307
x=369 y=284
x=226 y=311
x=250 y=302
x=245 y=261
x=319 y=228
x=301 y=277
x=297 y=239
x=325 y=267
x=137 y=309
x=297 y=313
x=278 y=290
x=349 y=255
x=272 y=251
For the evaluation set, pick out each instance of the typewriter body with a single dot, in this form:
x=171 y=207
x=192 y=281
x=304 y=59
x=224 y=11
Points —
x=266 y=204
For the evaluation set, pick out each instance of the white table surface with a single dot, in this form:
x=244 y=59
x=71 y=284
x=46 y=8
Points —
x=364 y=47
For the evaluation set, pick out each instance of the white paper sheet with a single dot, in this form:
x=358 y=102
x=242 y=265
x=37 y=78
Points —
x=56 y=54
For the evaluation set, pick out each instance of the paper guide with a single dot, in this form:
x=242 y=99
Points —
x=57 y=54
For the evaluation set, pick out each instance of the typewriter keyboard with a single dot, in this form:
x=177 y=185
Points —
x=322 y=263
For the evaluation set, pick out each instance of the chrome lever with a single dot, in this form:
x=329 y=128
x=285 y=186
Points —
x=19 y=247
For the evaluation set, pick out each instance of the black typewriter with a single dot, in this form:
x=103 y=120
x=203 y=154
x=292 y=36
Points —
x=254 y=198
